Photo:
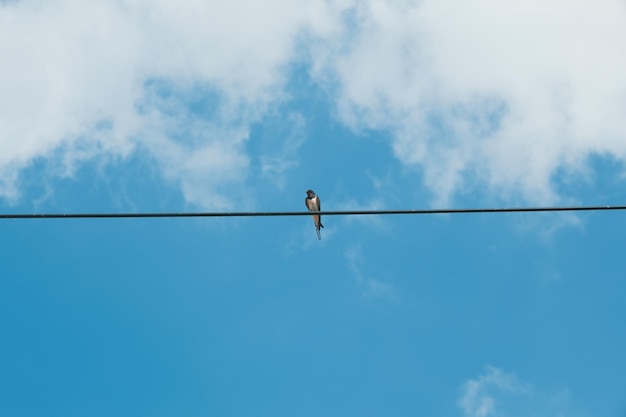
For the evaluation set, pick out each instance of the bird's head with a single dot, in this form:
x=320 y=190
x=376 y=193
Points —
x=310 y=193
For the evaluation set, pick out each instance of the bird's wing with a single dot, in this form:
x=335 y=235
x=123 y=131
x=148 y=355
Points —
x=310 y=204
x=318 y=203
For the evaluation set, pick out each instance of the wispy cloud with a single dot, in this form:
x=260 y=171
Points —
x=378 y=199
x=498 y=393
x=372 y=221
x=481 y=395
x=371 y=286
x=275 y=165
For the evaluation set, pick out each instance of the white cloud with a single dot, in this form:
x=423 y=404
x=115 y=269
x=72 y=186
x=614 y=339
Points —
x=372 y=221
x=497 y=393
x=480 y=395
x=276 y=165
x=477 y=92
x=109 y=77
x=371 y=286
x=483 y=96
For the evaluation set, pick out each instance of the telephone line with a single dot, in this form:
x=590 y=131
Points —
x=307 y=213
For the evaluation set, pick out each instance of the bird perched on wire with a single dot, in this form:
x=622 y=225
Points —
x=312 y=202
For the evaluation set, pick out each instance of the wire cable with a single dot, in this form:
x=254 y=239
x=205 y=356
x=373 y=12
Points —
x=307 y=213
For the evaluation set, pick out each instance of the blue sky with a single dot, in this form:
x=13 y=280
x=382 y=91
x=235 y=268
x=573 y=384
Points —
x=152 y=106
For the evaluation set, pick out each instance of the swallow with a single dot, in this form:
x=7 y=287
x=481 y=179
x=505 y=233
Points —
x=312 y=203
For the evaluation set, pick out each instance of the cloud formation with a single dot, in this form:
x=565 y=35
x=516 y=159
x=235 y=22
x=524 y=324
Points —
x=371 y=286
x=479 y=93
x=499 y=393
x=481 y=395
x=497 y=98
x=111 y=77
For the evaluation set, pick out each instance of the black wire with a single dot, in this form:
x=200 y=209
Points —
x=306 y=213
